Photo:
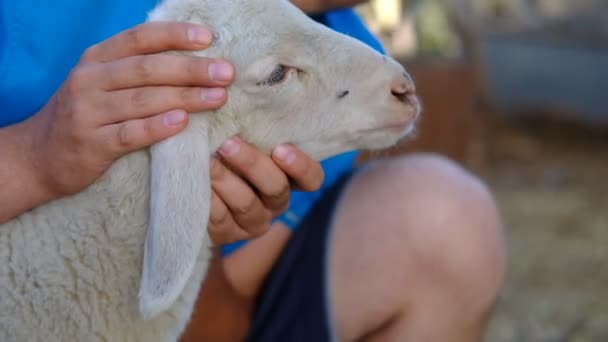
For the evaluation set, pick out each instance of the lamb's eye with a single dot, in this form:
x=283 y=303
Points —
x=277 y=75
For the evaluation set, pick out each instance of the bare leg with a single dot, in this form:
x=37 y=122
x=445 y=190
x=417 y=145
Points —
x=416 y=254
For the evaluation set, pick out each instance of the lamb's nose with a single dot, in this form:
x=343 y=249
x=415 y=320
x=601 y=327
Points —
x=402 y=88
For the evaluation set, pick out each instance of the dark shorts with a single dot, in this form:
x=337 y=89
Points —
x=293 y=305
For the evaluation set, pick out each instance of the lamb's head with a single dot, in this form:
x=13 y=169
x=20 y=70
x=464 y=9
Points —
x=297 y=82
x=300 y=82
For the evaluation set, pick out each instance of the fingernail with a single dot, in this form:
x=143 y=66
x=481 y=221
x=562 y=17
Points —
x=212 y=94
x=230 y=147
x=285 y=154
x=220 y=71
x=199 y=35
x=174 y=117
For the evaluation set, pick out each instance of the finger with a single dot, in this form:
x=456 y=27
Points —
x=138 y=103
x=259 y=170
x=246 y=208
x=173 y=70
x=222 y=227
x=151 y=37
x=121 y=138
x=307 y=173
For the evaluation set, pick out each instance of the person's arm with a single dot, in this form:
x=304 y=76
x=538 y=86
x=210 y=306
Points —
x=247 y=267
x=223 y=308
x=107 y=108
x=19 y=181
x=315 y=6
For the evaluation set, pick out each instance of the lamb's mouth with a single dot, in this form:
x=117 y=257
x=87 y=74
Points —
x=403 y=126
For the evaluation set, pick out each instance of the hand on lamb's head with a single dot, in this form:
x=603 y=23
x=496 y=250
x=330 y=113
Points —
x=119 y=98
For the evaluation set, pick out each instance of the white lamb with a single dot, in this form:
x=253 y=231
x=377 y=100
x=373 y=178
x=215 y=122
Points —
x=123 y=259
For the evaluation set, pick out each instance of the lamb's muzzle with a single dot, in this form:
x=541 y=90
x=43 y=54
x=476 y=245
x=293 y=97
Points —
x=402 y=88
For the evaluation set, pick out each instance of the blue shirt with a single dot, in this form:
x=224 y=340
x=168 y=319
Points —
x=41 y=41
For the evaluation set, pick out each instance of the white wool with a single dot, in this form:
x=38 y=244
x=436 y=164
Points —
x=123 y=260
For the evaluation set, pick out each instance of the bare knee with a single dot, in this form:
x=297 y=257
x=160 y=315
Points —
x=447 y=224
x=416 y=243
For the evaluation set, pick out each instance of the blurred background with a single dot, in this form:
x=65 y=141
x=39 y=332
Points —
x=516 y=91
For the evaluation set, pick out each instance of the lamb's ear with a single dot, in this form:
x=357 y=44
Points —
x=180 y=199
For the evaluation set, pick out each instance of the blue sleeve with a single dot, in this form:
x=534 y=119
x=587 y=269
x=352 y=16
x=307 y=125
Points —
x=347 y=22
x=41 y=41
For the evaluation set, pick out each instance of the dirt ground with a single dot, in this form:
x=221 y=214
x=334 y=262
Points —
x=551 y=183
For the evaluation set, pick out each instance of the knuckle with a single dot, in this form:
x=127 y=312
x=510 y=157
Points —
x=267 y=217
x=77 y=114
x=258 y=230
x=320 y=178
x=143 y=68
x=219 y=218
x=279 y=195
x=195 y=66
x=186 y=97
x=78 y=137
x=148 y=130
x=110 y=75
x=316 y=182
x=281 y=209
x=79 y=78
x=138 y=99
x=134 y=35
x=178 y=32
x=314 y=178
x=90 y=53
x=308 y=184
x=247 y=206
x=248 y=160
x=217 y=170
x=124 y=137
x=77 y=106
x=320 y=174
x=218 y=234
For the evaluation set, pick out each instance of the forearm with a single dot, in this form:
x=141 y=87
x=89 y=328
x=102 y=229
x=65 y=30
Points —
x=21 y=190
x=315 y=6
x=223 y=308
x=247 y=268
x=220 y=313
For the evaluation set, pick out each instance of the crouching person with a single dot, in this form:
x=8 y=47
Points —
x=405 y=249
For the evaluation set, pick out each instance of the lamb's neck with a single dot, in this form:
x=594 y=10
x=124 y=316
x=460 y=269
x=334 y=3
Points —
x=222 y=126
x=131 y=172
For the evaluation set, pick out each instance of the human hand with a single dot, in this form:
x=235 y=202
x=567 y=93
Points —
x=120 y=98
x=251 y=188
